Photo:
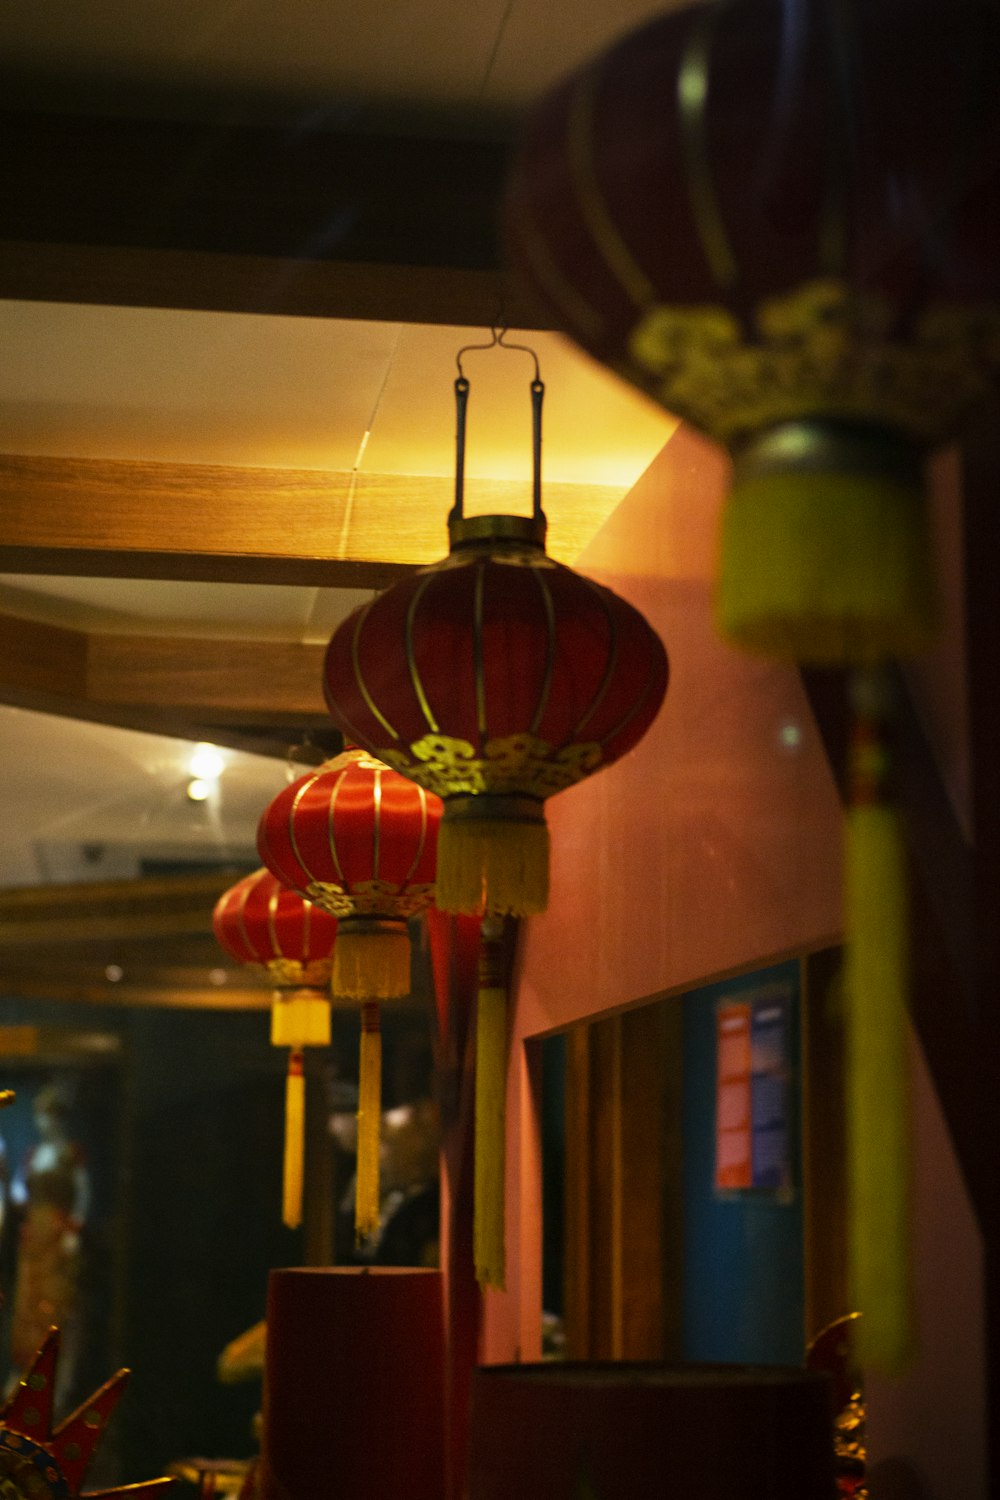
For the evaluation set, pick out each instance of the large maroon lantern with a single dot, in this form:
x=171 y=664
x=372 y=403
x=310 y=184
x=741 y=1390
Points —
x=259 y=922
x=780 y=219
x=496 y=678
x=359 y=841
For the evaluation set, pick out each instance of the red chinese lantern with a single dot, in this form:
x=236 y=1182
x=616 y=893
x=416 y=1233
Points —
x=780 y=220
x=495 y=678
x=359 y=841
x=259 y=921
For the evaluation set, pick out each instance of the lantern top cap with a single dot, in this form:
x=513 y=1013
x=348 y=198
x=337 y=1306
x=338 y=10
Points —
x=465 y=531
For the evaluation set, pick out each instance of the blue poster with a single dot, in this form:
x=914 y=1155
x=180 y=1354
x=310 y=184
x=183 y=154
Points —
x=770 y=1153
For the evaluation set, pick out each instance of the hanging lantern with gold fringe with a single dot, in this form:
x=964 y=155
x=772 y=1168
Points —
x=776 y=220
x=260 y=921
x=359 y=841
x=495 y=678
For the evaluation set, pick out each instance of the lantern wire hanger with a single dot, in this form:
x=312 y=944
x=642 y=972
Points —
x=458 y=528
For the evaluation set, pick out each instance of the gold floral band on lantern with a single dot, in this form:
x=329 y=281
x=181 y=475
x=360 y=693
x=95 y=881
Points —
x=286 y=973
x=518 y=763
x=821 y=348
x=370 y=898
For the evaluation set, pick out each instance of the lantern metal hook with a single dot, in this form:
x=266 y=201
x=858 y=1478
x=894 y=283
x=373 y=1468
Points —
x=498 y=340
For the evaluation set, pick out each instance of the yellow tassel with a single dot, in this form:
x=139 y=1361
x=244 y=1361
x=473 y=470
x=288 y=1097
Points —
x=367 y=1191
x=499 y=866
x=876 y=972
x=488 y=1225
x=826 y=568
x=300 y=1018
x=371 y=963
x=295 y=1139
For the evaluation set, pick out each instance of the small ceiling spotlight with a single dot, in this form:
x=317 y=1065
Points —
x=206 y=763
x=114 y=973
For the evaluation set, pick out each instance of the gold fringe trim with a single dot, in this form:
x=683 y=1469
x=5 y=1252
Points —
x=367 y=1190
x=489 y=1216
x=876 y=981
x=499 y=867
x=295 y=1140
x=826 y=568
x=371 y=965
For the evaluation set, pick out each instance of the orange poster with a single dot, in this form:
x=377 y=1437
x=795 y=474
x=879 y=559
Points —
x=733 y=1164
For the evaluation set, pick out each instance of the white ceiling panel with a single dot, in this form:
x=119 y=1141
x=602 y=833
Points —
x=493 y=55
x=431 y=50
x=542 y=43
x=219 y=388
x=68 y=783
x=596 y=430
x=231 y=388
x=225 y=611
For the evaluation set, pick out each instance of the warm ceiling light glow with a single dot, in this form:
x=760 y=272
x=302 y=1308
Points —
x=114 y=973
x=206 y=763
x=199 y=790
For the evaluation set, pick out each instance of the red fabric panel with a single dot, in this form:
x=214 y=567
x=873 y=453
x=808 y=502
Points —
x=351 y=823
x=259 y=919
x=560 y=656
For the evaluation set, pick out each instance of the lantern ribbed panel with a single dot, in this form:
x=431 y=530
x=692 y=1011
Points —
x=260 y=921
x=496 y=671
x=354 y=837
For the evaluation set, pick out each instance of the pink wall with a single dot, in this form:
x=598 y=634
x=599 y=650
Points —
x=714 y=846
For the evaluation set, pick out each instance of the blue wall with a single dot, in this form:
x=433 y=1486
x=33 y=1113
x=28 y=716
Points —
x=743 y=1273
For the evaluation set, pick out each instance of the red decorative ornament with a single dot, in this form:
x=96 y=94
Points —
x=359 y=841
x=37 y=1463
x=258 y=921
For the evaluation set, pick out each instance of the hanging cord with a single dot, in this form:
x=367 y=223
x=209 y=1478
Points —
x=498 y=340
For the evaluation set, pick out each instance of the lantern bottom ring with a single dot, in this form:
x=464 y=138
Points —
x=814 y=445
x=363 y=925
x=489 y=807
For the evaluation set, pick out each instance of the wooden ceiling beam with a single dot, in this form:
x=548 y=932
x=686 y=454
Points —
x=260 y=696
x=114 y=518
x=48 y=916
x=47 y=984
x=206 y=281
x=221 y=217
